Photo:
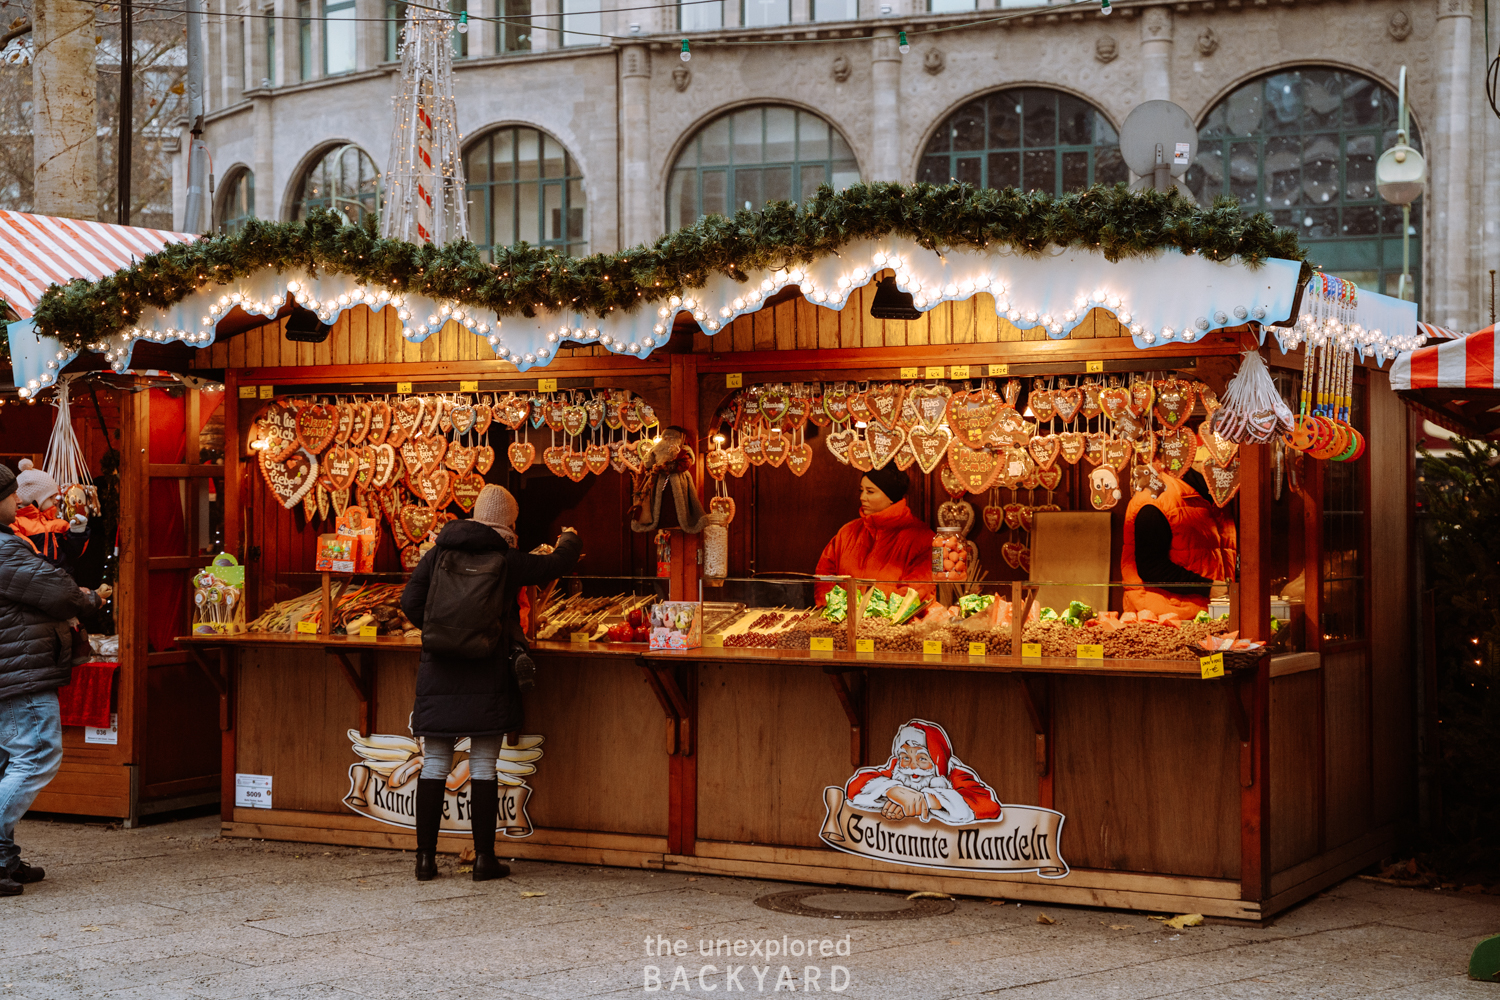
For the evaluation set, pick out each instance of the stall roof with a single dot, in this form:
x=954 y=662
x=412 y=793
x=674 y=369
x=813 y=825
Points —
x=1454 y=384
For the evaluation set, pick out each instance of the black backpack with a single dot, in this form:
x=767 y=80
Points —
x=465 y=611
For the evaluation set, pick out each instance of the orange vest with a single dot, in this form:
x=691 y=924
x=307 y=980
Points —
x=1203 y=541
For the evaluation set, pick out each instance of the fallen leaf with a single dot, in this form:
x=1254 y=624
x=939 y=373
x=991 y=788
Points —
x=693 y=878
x=929 y=895
x=1180 y=921
x=91 y=928
x=1042 y=918
x=532 y=895
x=1121 y=927
x=1156 y=918
x=466 y=854
x=465 y=869
x=998 y=902
x=955 y=941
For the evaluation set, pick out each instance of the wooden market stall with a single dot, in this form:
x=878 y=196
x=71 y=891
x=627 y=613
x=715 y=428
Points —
x=1235 y=795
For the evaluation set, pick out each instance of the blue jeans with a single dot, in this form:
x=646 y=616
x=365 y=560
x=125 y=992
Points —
x=30 y=755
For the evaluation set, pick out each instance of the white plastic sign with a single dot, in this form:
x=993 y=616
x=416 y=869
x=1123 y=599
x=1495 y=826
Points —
x=93 y=734
x=252 y=791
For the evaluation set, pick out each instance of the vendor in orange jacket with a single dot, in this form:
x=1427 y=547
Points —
x=1176 y=546
x=887 y=543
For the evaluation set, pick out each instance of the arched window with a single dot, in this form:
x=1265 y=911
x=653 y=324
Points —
x=755 y=155
x=1302 y=145
x=238 y=202
x=343 y=179
x=523 y=185
x=1030 y=138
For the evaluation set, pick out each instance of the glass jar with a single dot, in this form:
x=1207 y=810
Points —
x=950 y=557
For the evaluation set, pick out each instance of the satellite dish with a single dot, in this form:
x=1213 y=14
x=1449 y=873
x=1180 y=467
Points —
x=1158 y=134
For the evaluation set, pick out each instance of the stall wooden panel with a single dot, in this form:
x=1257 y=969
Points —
x=1346 y=694
x=1296 y=771
x=1155 y=767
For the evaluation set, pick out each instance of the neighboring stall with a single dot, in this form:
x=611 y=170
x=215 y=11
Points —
x=1116 y=764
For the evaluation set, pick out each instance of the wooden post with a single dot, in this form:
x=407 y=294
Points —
x=1255 y=622
x=685 y=547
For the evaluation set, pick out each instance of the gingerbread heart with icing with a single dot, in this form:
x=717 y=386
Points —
x=1175 y=451
x=1174 y=402
x=884 y=443
x=799 y=459
x=340 y=465
x=1117 y=454
x=929 y=446
x=596 y=456
x=971 y=415
x=1071 y=446
x=975 y=469
x=466 y=491
x=1067 y=403
x=1049 y=476
x=754 y=448
x=290 y=479
x=521 y=455
x=461 y=458
x=956 y=514
x=739 y=462
x=859 y=455
x=416 y=521
x=994 y=517
x=512 y=410
x=838 y=443
x=462 y=416
x=859 y=408
x=359 y=423
x=931 y=404
x=574 y=420
x=776 y=448
x=1011 y=552
x=406 y=420
x=575 y=466
x=1045 y=448
x=386 y=466
x=717 y=463
x=1142 y=395
x=436 y=488
x=722 y=505
x=884 y=402
x=380 y=424
x=1223 y=479
x=1042 y=406
x=484 y=458
x=430 y=451
x=343 y=423
x=316 y=425
x=364 y=468
x=836 y=404
x=554 y=457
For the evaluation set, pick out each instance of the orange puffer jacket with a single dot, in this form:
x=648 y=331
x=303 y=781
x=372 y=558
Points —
x=1203 y=542
x=890 y=545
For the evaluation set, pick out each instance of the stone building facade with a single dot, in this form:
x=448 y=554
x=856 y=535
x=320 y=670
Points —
x=584 y=129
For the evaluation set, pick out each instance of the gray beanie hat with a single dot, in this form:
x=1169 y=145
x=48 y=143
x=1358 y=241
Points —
x=7 y=482
x=497 y=509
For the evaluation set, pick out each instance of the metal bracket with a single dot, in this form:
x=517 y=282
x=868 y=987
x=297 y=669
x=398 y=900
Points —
x=852 y=712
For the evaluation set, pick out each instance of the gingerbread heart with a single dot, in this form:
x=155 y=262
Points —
x=1071 y=445
x=797 y=410
x=905 y=458
x=1045 y=448
x=631 y=417
x=971 y=415
x=484 y=414
x=359 y=422
x=1010 y=428
x=555 y=457
x=1028 y=519
x=436 y=488
x=722 y=505
x=416 y=521
x=859 y=408
x=1142 y=395
x=511 y=410
x=754 y=448
x=1067 y=403
x=612 y=407
x=929 y=446
x=445 y=416
x=1016 y=465
x=1049 y=476
x=836 y=404
x=1013 y=512
x=1092 y=406
x=316 y=425
x=956 y=514
x=931 y=405
x=279 y=430
x=1024 y=560
x=1176 y=449
x=323 y=500
x=884 y=402
x=1174 y=401
x=461 y=458
x=777 y=446
x=1117 y=454
x=462 y=416
x=717 y=463
x=994 y=517
x=1011 y=552
x=430 y=451
x=859 y=455
x=816 y=414
x=385 y=466
x=364 y=471
x=466 y=491
x=521 y=454
x=647 y=414
x=596 y=456
x=952 y=485
x=574 y=420
x=799 y=459
x=975 y=469
x=343 y=423
x=536 y=411
x=575 y=466
x=1223 y=479
x=1104 y=488
x=411 y=555
x=406 y=420
x=739 y=462
x=1115 y=401
x=884 y=442
x=1220 y=449
x=838 y=443
x=290 y=479
x=1042 y=406
x=484 y=458
x=340 y=465
x=380 y=424
x=1093 y=447
x=773 y=405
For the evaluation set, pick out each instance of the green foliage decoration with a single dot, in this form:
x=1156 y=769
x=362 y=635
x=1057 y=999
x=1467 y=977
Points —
x=524 y=278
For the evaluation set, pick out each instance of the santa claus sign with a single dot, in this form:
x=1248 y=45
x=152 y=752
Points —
x=926 y=808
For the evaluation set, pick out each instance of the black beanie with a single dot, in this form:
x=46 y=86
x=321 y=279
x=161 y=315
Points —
x=889 y=480
x=7 y=482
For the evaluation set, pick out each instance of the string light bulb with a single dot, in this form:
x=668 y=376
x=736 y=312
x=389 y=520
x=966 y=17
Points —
x=463 y=22
x=903 y=44
x=687 y=52
x=1104 y=7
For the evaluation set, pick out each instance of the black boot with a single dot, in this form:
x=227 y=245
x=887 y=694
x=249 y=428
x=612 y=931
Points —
x=484 y=811
x=430 y=795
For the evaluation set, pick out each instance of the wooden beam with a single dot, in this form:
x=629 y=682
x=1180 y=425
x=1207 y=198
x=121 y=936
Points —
x=853 y=713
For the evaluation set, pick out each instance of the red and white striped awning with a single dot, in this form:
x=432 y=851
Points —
x=1434 y=332
x=1467 y=363
x=38 y=250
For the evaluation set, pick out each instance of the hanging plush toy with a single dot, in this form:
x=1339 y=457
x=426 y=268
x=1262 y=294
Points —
x=668 y=464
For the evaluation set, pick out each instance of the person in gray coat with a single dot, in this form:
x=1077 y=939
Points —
x=36 y=658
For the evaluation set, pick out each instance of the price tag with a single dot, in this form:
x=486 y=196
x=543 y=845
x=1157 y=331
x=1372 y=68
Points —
x=864 y=645
x=580 y=637
x=307 y=628
x=368 y=631
x=931 y=646
x=1090 y=651
x=959 y=371
x=999 y=370
x=248 y=391
x=252 y=791
x=1093 y=366
x=822 y=644
x=267 y=392
x=1211 y=666
x=713 y=640
x=468 y=386
x=976 y=649
x=933 y=371
x=734 y=381
x=403 y=388
x=1031 y=649
x=546 y=385
x=110 y=736
x=913 y=372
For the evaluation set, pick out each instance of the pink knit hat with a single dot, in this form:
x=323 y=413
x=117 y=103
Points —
x=33 y=486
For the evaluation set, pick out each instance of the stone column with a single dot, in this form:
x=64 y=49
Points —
x=64 y=82
x=636 y=202
x=1451 y=303
x=263 y=122
x=369 y=49
x=1156 y=54
x=482 y=32
x=885 y=119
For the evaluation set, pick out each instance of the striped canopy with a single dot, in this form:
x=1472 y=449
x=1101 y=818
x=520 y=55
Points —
x=1466 y=363
x=38 y=250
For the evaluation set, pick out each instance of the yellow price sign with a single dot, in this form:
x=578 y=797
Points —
x=1031 y=649
x=1211 y=666
x=267 y=392
x=864 y=645
x=734 y=381
x=580 y=637
x=911 y=372
x=998 y=370
x=404 y=388
x=307 y=628
x=822 y=644
x=1093 y=366
x=248 y=391
x=933 y=371
x=976 y=649
x=472 y=386
x=1090 y=651
x=546 y=385
x=368 y=631
x=959 y=371
x=714 y=640
x=931 y=646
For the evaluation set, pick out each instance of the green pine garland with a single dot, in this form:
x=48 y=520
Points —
x=1117 y=222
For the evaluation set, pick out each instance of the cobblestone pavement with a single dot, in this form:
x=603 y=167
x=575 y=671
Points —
x=172 y=911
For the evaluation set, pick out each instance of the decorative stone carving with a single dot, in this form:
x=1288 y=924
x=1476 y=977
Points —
x=934 y=61
x=1156 y=24
x=1456 y=8
x=681 y=77
x=1106 y=49
x=1399 y=25
x=1208 y=42
x=841 y=69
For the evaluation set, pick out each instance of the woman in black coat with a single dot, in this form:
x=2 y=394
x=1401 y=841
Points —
x=475 y=698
